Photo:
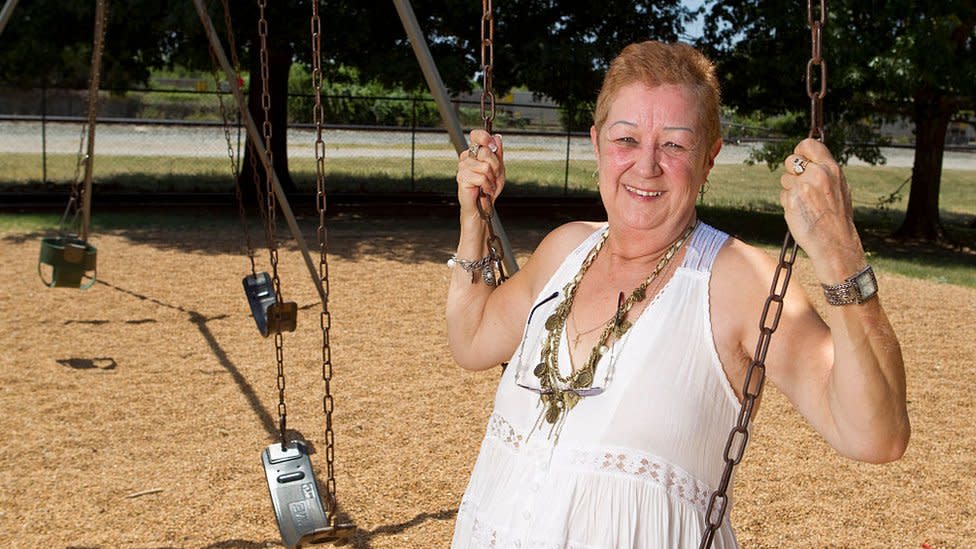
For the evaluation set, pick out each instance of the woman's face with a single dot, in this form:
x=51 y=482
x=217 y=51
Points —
x=652 y=157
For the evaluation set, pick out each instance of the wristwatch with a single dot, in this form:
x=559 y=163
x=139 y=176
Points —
x=856 y=289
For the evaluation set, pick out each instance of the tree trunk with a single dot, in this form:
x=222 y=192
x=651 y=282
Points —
x=922 y=221
x=279 y=65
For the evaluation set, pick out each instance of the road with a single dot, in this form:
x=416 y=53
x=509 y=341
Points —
x=197 y=142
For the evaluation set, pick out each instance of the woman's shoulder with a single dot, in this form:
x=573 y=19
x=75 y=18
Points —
x=739 y=262
x=567 y=237
x=554 y=248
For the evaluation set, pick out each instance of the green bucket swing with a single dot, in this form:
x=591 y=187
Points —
x=68 y=258
x=71 y=261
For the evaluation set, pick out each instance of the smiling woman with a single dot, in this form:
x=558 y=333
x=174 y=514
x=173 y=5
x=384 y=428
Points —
x=627 y=341
x=653 y=158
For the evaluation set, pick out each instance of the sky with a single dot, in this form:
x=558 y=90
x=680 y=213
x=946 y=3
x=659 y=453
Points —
x=695 y=29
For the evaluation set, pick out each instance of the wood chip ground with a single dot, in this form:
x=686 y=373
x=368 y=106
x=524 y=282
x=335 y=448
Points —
x=133 y=414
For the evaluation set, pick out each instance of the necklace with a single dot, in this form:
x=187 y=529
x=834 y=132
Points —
x=581 y=333
x=561 y=393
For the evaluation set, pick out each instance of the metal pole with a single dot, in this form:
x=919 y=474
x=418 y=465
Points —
x=450 y=118
x=5 y=14
x=100 y=22
x=413 y=143
x=569 y=139
x=44 y=132
x=258 y=141
x=419 y=44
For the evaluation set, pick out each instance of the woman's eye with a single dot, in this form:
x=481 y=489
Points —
x=671 y=145
x=625 y=141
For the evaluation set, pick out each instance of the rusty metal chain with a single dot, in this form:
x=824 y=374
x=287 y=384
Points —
x=487 y=64
x=325 y=318
x=486 y=208
x=751 y=390
x=270 y=221
x=756 y=373
x=235 y=170
x=76 y=191
x=232 y=46
x=816 y=60
x=74 y=200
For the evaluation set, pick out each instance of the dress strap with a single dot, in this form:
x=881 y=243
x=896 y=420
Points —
x=705 y=244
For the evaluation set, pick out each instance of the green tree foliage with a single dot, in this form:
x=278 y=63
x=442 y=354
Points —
x=49 y=42
x=886 y=60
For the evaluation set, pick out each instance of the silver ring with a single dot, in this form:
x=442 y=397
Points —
x=473 y=150
x=800 y=165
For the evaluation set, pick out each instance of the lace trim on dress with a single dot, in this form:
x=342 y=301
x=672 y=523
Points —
x=619 y=461
x=499 y=428
x=642 y=466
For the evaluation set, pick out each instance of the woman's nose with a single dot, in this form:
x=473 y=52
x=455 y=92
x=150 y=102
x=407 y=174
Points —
x=648 y=161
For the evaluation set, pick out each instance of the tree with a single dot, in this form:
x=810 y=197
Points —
x=558 y=49
x=885 y=60
x=48 y=43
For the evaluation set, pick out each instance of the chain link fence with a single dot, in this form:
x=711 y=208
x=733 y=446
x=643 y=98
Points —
x=172 y=139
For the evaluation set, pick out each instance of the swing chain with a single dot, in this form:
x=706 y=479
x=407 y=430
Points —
x=74 y=201
x=272 y=242
x=325 y=318
x=494 y=273
x=77 y=196
x=227 y=137
x=816 y=60
x=487 y=64
x=751 y=389
x=756 y=372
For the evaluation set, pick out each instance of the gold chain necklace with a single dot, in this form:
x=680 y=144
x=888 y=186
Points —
x=581 y=333
x=561 y=393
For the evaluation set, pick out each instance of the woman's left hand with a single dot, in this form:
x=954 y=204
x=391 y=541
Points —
x=817 y=204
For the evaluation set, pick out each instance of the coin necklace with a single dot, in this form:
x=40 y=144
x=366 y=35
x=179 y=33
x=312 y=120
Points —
x=561 y=393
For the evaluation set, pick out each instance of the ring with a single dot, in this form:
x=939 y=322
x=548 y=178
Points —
x=473 y=150
x=800 y=165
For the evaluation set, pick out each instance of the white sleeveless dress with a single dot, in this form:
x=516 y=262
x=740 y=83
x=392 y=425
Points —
x=635 y=464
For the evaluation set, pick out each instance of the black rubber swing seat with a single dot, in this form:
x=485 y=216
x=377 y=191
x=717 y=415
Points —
x=295 y=496
x=71 y=260
x=269 y=315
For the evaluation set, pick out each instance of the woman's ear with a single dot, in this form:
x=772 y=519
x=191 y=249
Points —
x=713 y=154
x=594 y=138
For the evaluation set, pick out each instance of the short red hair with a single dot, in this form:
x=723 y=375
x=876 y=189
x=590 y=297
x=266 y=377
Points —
x=655 y=63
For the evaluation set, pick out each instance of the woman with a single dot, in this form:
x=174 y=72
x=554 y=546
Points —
x=628 y=341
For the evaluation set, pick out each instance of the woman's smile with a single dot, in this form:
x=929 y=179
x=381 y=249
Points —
x=643 y=193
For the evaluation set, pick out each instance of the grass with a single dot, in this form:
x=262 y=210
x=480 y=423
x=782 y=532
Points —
x=741 y=199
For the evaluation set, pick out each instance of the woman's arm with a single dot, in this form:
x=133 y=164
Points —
x=846 y=375
x=484 y=323
x=481 y=327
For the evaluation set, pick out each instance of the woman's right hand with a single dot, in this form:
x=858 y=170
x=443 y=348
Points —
x=482 y=172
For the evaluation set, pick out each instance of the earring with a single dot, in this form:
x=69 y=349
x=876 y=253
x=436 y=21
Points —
x=702 y=190
x=596 y=173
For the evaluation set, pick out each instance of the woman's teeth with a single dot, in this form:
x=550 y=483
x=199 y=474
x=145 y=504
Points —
x=639 y=192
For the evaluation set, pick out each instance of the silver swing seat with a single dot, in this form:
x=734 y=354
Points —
x=269 y=315
x=295 y=496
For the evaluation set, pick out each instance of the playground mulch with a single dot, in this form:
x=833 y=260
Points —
x=134 y=414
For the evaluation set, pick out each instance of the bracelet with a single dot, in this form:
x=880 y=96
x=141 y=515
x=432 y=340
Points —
x=470 y=266
x=482 y=266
